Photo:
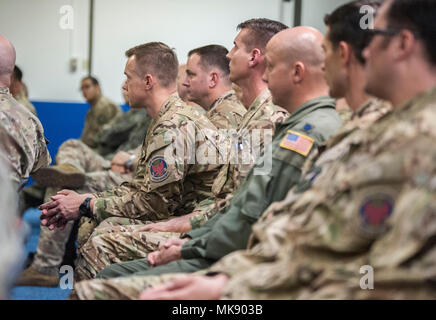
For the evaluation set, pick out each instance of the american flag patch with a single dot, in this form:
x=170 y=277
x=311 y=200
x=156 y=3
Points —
x=297 y=142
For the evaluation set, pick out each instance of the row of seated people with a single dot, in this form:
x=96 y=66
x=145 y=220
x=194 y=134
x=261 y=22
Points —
x=288 y=187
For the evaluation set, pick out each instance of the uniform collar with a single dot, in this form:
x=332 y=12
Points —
x=260 y=100
x=221 y=98
x=309 y=106
x=168 y=103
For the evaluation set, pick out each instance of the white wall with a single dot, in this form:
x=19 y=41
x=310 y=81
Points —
x=313 y=11
x=44 y=49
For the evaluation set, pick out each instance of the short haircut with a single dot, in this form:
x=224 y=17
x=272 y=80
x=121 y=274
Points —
x=344 y=24
x=18 y=74
x=93 y=80
x=260 y=32
x=157 y=59
x=418 y=15
x=213 y=56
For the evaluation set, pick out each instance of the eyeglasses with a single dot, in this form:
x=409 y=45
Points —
x=389 y=32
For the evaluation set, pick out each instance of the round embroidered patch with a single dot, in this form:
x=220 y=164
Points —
x=158 y=169
x=374 y=211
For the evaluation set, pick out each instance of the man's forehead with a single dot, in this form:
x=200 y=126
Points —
x=193 y=59
x=130 y=64
x=240 y=35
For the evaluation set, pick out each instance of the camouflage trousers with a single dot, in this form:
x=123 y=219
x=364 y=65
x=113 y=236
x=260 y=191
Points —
x=51 y=249
x=126 y=288
x=99 y=177
x=116 y=240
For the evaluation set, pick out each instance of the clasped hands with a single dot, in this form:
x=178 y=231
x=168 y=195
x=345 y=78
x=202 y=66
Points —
x=63 y=208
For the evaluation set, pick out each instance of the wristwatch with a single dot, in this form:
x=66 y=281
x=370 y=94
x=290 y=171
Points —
x=85 y=208
x=129 y=163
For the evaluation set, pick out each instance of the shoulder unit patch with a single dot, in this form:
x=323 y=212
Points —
x=297 y=142
x=374 y=211
x=158 y=169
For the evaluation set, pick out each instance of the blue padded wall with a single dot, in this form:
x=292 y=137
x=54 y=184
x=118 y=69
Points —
x=62 y=121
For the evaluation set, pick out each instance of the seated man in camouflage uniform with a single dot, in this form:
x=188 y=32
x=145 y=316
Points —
x=167 y=181
x=313 y=119
x=372 y=206
x=262 y=116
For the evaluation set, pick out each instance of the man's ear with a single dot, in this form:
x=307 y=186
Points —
x=299 y=72
x=213 y=79
x=344 y=52
x=149 y=81
x=256 y=57
x=405 y=44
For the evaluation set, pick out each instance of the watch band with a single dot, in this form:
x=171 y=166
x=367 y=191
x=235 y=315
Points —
x=129 y=163
x=85 y=208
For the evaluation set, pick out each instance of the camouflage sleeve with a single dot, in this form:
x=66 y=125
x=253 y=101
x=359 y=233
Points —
x=207 y=210
x=157 y=189
x=254 y=137
x=24 y=145
x=257 y=134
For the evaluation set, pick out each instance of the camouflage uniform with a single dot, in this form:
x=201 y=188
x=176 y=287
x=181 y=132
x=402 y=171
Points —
x=113 y=245
x=99 y=114
x=166 y=182
x=98 y=177
x=21 y=138
x=229 y=230
x=373 y=204
x=226 y=112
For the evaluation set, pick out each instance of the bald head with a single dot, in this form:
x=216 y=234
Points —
x=295 y=61
x=302 y=44
x=7 y=61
